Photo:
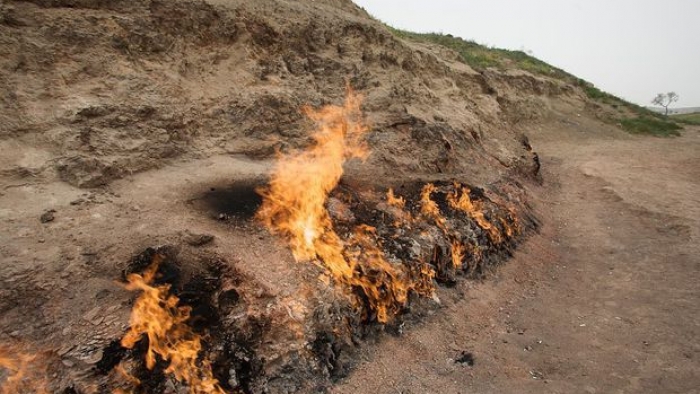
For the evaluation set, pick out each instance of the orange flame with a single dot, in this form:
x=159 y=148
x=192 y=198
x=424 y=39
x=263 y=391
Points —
x=457 y=254
x=22 y=372
x=429 y=207
x=294 y=207
x=459 y=199
x=401 y=216
x=157 y=316
x=397 y=202
x=294 y=202
x=514 y=228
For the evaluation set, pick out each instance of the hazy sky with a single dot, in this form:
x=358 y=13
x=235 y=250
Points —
x=631 y=48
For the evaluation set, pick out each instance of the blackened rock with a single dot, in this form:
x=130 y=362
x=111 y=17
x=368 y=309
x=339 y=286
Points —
x=466 y=358
x=47 y=216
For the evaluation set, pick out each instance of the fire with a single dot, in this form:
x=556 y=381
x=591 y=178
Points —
x=457 y=254
x=460 y=200
x=21 y=372
x=294 y=207
x=398 y=205
x=429 y=207
x=397 y=202
x=514 y=228
x=294 y=202
x=158 y=317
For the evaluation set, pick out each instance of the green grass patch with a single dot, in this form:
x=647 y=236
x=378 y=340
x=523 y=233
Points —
x=481 y=57
x=634 y=118
x=691 y=119
x=653 y=126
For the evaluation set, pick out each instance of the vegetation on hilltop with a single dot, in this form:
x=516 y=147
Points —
x=691 y=119
x=632 y=117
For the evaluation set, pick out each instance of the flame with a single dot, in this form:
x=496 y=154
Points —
x=430 y=208
x=457 y=251
x=398 y=205
x=157 y=316
x=514 y=228
x=459 y=199
x=22 y=372
x=294 y=207
x=125 y=375
x=397 y=202
x=294 y=202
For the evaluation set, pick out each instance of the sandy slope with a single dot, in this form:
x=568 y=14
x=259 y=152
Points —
x=604 y=300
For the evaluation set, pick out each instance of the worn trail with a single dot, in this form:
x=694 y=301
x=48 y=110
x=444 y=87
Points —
x=604 y=300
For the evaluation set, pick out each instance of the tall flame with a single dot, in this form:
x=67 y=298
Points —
x=157 y=316
x=294 y=207
x=294 y=202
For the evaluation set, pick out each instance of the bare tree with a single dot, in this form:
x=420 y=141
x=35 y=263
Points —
x=665 y=99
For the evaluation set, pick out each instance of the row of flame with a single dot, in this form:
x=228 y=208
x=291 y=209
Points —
x=294 y=206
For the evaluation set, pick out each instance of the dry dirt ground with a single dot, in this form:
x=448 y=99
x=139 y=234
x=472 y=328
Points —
x=603 y=300
x=125 y=124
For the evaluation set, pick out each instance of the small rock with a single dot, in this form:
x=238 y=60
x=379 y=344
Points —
x=92 y=313
x=65 y=349
x=68 y=363
x=339 y=210
x=47 y=216
x=170 y=386
x=233 y=378
x=465 y=358
x=199 y=239
x=94 y=358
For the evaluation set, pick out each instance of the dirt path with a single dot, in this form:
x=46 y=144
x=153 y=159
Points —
x=603 y=300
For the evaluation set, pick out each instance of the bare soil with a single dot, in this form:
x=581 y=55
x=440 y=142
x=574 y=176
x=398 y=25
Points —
x=133 y=126
x=603 y=300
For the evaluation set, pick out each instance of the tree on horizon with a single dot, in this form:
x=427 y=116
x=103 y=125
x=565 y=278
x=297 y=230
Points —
x=665 y=100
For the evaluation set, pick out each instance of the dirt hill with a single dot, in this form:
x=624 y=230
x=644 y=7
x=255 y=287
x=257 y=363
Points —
x=100 y=90
x=139 y=131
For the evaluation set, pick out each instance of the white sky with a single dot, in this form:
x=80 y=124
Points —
x=631 y=48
